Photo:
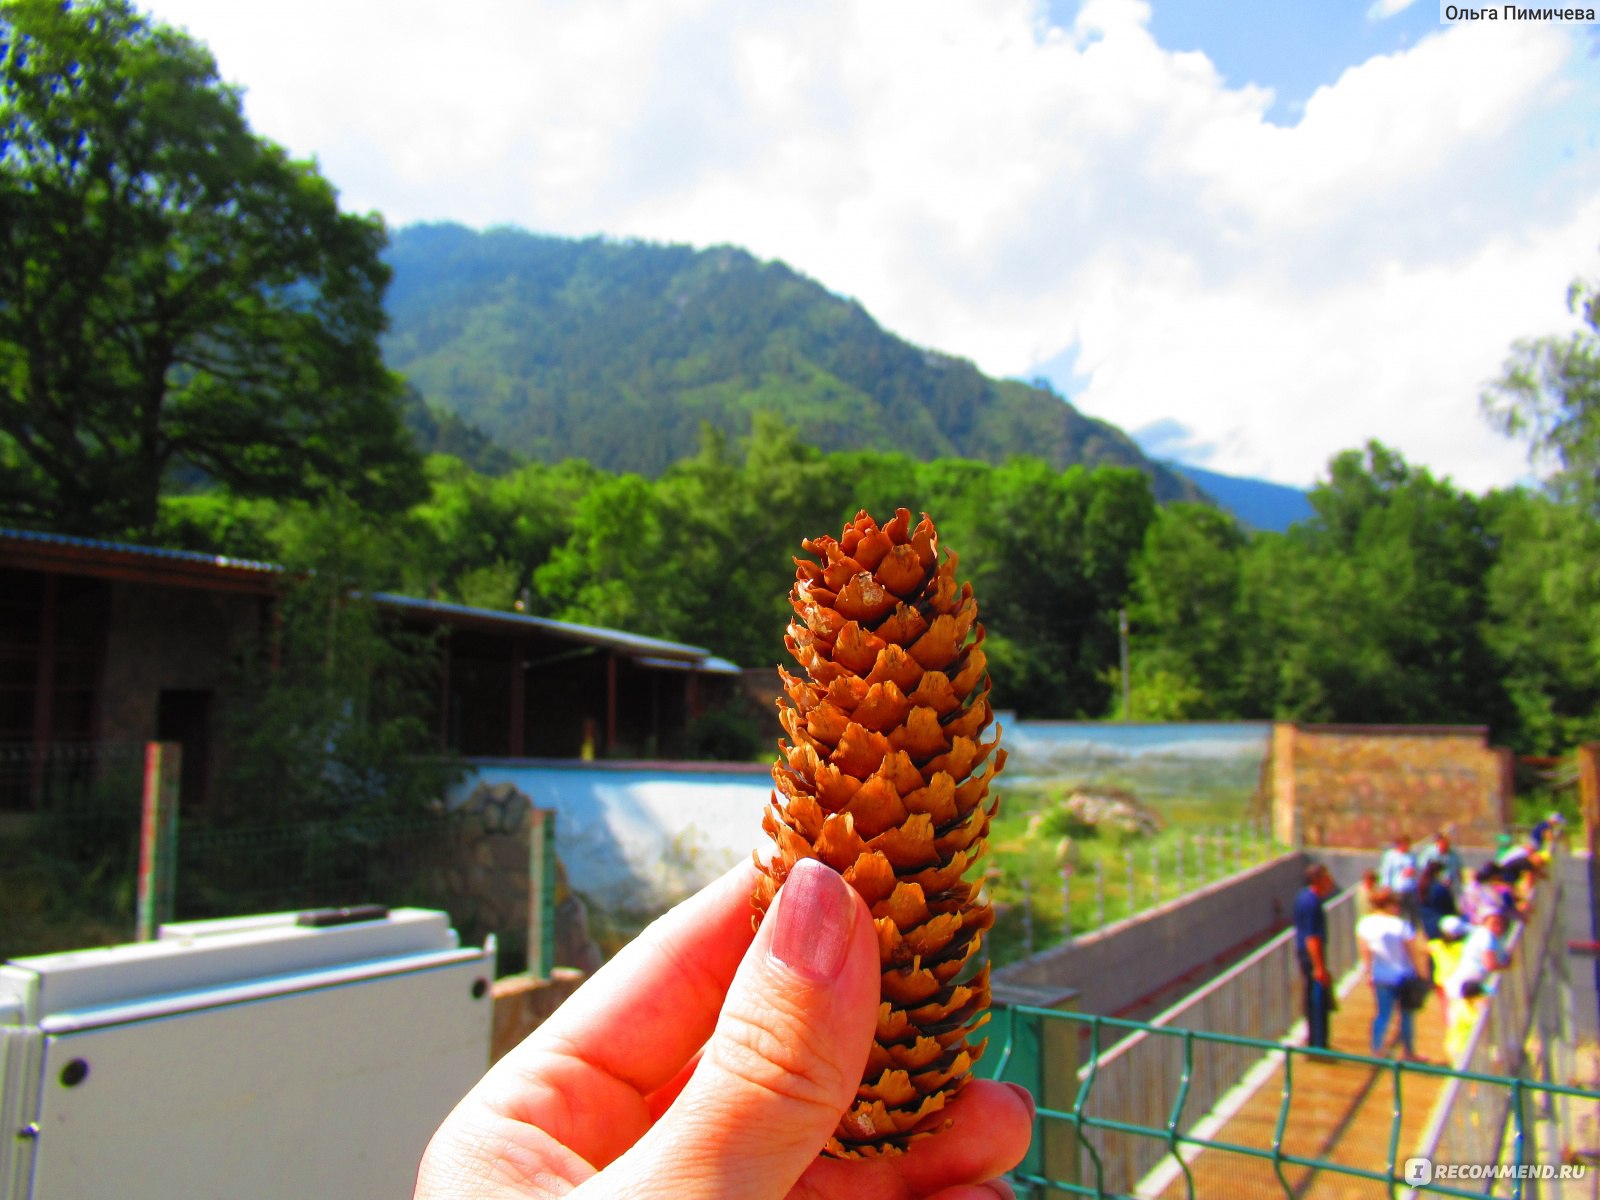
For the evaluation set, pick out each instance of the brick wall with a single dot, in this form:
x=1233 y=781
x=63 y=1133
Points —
x=1360 y=786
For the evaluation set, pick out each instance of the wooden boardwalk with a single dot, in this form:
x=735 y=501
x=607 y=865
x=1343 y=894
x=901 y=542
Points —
x=1342 y=1112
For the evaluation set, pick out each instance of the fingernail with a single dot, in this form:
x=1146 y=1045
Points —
x=816 y=915
x=1027 y=1098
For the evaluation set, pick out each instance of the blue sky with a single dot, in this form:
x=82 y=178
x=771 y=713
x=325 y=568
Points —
x=1291 y=48
x=1263 y=232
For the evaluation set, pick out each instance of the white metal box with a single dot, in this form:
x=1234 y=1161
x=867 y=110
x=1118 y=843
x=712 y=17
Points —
x=260 y=1057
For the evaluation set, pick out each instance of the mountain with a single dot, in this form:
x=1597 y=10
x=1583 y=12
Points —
x=616 y=352
x=1253 y=502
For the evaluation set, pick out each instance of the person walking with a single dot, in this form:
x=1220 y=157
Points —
x=1391 y=955
x=1311 y=949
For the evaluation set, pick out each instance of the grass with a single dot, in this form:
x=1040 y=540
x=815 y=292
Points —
x=1207 y=834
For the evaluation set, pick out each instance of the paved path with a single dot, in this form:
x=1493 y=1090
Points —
x=1339 y=1111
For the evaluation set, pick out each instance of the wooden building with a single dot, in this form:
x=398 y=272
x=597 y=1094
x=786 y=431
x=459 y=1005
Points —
x=104 y=642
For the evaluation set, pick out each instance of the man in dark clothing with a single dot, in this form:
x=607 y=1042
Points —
x=1311 y=948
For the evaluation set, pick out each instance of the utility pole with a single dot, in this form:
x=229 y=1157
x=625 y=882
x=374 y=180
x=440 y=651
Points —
x=1122 y=649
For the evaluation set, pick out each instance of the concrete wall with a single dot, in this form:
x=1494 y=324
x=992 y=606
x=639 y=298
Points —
x=1114 y=968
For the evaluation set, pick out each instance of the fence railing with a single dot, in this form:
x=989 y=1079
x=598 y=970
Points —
x=1172 y=1123
x=1148 y=1105
x=1257 y=1002
x=70 y=821
x=66 y=774
x=1518 y=1034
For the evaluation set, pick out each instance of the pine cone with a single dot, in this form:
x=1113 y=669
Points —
x=883 y=778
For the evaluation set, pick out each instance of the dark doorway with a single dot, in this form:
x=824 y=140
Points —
x=185 y=717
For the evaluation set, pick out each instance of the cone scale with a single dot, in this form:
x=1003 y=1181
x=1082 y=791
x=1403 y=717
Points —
x=885 y=777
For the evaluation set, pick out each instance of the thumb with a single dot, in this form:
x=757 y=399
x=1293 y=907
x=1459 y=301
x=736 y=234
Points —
x=785 y=1059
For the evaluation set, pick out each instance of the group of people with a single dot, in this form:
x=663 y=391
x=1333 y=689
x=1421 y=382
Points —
x=1424 y=925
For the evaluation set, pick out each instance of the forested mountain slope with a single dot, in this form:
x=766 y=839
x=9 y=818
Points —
x=616 y=352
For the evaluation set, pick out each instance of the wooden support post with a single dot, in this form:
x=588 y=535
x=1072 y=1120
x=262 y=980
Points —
x=611 y=704
x=519 y=694
x=44 y=685
x=158 y=837
x=444 y=694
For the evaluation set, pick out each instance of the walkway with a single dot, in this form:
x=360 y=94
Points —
x=1339 y=1111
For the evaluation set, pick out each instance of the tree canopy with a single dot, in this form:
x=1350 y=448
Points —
x=1549 y=394
x=178 y=298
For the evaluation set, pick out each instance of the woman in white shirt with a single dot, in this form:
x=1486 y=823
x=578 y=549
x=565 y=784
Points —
x=1391 y=951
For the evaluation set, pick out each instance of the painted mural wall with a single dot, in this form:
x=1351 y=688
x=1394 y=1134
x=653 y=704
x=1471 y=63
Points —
x=632 y=839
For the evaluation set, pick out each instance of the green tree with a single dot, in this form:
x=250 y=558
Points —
x=332 y=720
x=1544 y=596
x=1375 y=609
x=177 y=296
x=1051 y=564
x=1186 y=640
x=609 y=570
x=1549 y=395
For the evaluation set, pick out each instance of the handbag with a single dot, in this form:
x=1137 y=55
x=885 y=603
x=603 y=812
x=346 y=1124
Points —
x=1414 y=992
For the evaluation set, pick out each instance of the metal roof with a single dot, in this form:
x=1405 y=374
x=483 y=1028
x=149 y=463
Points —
x=130 y=549
x=143 y=564
x=711 y=665
x=636 y=645
x=93 y=556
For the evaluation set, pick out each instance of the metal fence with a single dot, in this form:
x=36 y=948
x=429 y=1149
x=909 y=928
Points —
x=1171 y=1122
x=1144 y=1108
x=1255 y=1002
x=273 y=867
x=68 y=775
x=69 y=845
x=1493 y=1115
x=69 y=853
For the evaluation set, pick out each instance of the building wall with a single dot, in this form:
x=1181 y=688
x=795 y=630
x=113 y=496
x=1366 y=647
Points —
x=167 y=638
x=1361 y=786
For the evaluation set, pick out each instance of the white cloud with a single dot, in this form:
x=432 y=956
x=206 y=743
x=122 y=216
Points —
x=998 y=188
x=1382 y=10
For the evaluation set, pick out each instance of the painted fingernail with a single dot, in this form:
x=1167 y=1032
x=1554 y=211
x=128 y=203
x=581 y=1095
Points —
x=1000 y=1188
x=816 y=915
x=1027 y=1098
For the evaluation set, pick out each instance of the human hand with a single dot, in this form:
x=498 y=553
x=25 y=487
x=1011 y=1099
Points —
x=707 y=1061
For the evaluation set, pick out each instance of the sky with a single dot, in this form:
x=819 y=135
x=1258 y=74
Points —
x=1251 y=233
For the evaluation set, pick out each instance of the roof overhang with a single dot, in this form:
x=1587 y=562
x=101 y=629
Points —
x=59 y=553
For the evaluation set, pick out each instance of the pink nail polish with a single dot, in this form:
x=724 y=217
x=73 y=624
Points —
x=815 y=917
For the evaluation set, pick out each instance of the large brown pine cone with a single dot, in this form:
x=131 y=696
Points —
x=885 y=778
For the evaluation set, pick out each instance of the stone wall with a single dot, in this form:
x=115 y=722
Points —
x=486 y=882
x=1361 y=786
